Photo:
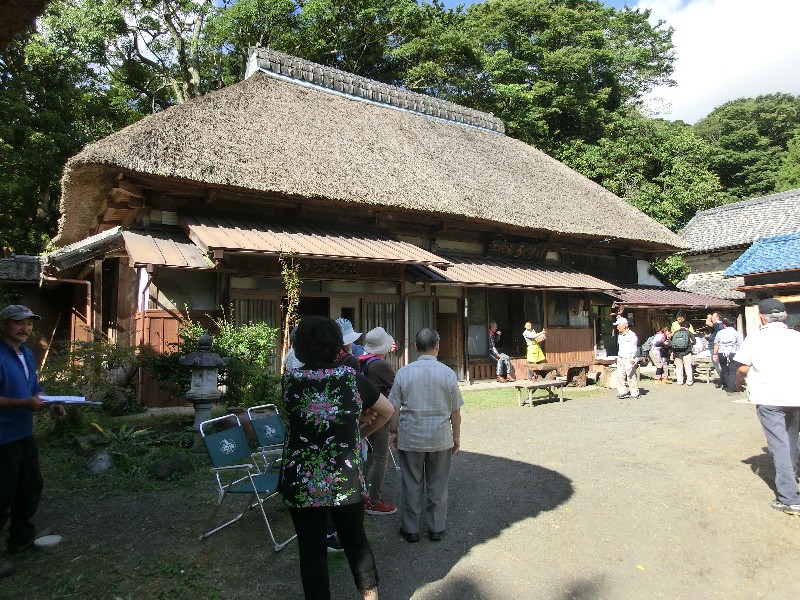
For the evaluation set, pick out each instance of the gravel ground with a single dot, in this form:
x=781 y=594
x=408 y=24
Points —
x=666 y=496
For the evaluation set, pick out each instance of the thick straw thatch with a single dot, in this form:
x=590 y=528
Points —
x=277 y=136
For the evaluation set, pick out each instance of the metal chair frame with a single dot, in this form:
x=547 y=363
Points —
x=237 y=470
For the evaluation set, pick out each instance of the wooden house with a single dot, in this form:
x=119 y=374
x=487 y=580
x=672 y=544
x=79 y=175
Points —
x=402 y=210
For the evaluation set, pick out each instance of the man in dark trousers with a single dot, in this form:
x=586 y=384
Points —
x=20 y=477
x=768 y=361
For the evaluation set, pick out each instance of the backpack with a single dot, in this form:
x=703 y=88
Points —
x=364 y=364
x=648 y=344
x=680 y=340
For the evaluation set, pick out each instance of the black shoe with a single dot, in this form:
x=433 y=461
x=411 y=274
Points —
x=334 y=545
x=623 y=396
x=436 y=536
x=19 y=548
x=411 y=538
x=6 y=569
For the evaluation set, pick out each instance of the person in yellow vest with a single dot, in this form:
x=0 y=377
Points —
x=535 y=354
x=680 y=321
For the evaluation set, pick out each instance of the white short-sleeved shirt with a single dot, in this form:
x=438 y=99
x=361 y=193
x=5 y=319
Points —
x=772 y=354
x=728 y=339
x=426 y=394
x=627 y=345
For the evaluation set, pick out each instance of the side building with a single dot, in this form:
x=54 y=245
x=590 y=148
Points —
x=719 y=236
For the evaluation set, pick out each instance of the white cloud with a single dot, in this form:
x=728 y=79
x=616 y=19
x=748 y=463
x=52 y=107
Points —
x=726 y=49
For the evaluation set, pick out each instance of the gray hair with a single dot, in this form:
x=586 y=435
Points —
x=775 y=317
x=426 y=339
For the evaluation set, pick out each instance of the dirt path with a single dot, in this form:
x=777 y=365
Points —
x=661 y=497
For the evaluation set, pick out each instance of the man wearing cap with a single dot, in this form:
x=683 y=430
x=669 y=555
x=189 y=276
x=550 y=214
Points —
x=377 y=343
x=627 y=360
x=426 y=431
x=20 y=477
x=768 y=361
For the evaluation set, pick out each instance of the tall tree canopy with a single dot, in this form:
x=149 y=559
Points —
x=554 y=71
x=788 y=177
x=51 y=104
x=659 y=167
x=748 y=138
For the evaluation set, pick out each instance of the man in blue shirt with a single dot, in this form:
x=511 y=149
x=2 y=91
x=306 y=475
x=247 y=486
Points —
x=20 y=477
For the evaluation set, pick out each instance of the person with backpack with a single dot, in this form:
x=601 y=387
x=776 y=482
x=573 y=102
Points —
x=658 y=355
x=681 y=343
x=377 y=343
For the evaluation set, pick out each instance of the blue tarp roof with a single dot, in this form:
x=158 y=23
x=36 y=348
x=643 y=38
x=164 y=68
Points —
x=767 y=255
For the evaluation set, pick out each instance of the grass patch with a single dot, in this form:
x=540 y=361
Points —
x=506 y=396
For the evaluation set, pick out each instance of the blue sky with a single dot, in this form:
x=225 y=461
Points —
x=726 y=49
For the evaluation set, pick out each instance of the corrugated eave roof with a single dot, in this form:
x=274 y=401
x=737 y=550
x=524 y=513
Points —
x=480 y=271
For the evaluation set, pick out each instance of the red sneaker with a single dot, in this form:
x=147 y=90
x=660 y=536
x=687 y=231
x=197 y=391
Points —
x=380 y=508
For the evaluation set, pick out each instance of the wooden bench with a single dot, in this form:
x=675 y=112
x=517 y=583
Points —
x=575 y=371
x=542 y=384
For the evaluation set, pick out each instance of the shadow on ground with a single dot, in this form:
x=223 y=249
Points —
x=763 y=466
x=488 y=494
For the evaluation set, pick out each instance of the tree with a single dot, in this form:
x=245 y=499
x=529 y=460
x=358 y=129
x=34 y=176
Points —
x=788 y=176
x=51 y=103
x=748 y=136
x=658 y=166
x=554 y=70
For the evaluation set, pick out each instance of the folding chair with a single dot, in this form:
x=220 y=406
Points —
x=268 y=427
x=236 y=472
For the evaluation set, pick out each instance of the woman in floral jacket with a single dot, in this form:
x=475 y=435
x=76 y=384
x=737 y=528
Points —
x=322 y=464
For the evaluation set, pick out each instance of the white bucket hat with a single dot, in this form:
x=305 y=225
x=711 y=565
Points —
x=377 y=341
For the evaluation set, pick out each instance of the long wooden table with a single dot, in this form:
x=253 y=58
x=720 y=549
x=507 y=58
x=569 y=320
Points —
x=541 y=384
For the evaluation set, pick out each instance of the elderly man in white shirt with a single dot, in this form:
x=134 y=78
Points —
x=426 y=432
x=627 y=360
x=768 y=360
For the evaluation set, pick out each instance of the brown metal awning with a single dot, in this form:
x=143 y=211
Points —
x=214 y=235
x=479 y=271
x=656 y=297
x=164 y=249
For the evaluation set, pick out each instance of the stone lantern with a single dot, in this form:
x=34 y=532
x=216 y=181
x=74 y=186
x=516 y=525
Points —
x=203 y=392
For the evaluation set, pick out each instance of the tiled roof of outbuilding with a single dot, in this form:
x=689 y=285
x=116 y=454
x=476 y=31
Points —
x=654 y=296
x=742 y=223
x=767 y=255
x=715 y=284
x=20 y=268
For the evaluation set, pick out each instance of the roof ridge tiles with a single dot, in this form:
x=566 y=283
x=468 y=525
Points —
x=273 y=62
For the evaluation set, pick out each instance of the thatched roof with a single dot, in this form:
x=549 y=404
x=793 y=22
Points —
x=276 y=136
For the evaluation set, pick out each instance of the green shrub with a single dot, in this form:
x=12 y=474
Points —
x=249 y=378
x=98 y=370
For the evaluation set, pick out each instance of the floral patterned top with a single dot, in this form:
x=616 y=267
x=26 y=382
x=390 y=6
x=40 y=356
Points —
x=322 y=463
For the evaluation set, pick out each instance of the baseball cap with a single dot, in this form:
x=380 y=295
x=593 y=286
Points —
x=17 y=312
x=770 y=306
x=620 y=321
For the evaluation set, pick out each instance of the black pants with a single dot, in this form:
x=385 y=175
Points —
x=20 y=489
x=309 y=524
x=727 y=371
